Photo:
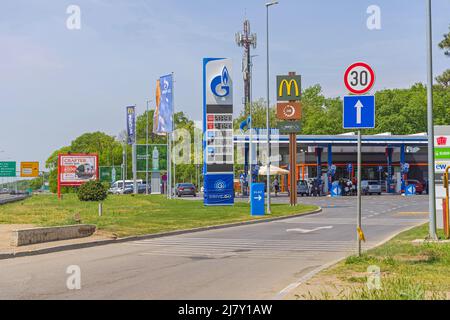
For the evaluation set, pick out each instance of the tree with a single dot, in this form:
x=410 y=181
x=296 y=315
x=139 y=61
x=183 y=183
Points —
x=259 y=113
x=445 y=44
x=444 y=78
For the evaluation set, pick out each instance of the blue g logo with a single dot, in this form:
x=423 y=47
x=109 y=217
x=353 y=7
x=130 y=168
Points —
x=219 y=185
x=223 y=81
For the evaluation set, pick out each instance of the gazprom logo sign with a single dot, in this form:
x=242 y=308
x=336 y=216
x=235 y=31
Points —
x=288 y=88
x=219 y=82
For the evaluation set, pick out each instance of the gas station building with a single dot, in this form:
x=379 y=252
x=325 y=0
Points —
x=383 y=156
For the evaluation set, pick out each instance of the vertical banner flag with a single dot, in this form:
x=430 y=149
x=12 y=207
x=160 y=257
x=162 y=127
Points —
x=131 y=124
x=165 y=110
x=158 y=102
x=218 y=147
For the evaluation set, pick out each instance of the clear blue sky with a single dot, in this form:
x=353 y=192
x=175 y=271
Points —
x=57 y=84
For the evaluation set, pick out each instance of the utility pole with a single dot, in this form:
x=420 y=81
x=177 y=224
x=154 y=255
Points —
x=431 y=176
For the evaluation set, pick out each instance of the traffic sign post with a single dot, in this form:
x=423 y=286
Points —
x=359 y=113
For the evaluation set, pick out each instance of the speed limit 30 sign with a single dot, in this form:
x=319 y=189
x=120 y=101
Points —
x=359 y=78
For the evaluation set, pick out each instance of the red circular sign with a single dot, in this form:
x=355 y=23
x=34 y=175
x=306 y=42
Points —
x=359 y=78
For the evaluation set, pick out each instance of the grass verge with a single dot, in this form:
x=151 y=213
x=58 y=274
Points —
x=132 y=215
x=407 y=272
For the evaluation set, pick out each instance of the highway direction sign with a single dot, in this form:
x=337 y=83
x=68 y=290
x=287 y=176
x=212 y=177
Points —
x=7 y=169
x=359 y=78
x=359 y=112
x=29 y=169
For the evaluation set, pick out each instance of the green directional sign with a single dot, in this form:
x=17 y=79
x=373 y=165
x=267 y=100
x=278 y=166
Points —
x=7 y=168
x=442 y=153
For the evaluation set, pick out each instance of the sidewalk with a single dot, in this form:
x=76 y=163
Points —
x=6 y=248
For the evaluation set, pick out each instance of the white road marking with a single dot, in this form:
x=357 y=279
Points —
x=307 y=230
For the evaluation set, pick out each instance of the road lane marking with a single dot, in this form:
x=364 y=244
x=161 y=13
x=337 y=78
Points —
x=307 y=230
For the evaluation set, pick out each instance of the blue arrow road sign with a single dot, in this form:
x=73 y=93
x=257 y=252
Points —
x=410 y=190
x=359 y=112
x=257 y=199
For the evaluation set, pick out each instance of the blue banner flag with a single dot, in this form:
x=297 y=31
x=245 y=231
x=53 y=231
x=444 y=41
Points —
x=131 y=124
x=165 y=115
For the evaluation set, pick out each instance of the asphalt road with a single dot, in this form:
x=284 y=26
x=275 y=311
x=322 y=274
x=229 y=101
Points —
x=262 y=261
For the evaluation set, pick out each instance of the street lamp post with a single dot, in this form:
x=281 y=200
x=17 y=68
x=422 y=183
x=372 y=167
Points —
x=250 y=151
x=431 y=177
x=268 y=105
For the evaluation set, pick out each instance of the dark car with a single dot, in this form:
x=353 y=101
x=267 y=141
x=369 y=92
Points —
x=185 y=189
x=418 y=185
x=129 y=189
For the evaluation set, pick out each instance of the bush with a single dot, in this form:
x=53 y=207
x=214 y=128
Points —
x=92 y=191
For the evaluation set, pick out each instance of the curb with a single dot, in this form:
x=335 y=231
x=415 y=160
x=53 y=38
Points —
x=13 y=199
x=4 y=256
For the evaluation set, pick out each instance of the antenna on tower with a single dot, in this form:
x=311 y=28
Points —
x=247 y=40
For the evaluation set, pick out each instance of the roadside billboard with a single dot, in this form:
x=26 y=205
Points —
x=110 y=174
x=29 y=169
x=76 y=169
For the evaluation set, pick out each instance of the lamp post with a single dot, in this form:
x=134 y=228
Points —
x=250 y=151
x=431 y=177
x=269 y=4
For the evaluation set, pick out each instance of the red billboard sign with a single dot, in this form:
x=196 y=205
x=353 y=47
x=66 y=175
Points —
x=76 y=169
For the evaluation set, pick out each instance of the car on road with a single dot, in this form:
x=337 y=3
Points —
x=417 y=184
x=302 y=188
x=369 y=187
x=185 y=189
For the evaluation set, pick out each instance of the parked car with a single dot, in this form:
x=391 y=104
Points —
x=142 y=188
x=418 y=184
x=370 y=187
x=302 y=188
x=185 y=189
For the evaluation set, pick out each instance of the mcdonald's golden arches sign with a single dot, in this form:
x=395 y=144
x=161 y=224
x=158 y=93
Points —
x=288 y=88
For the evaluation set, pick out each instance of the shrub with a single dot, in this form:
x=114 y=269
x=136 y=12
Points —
x=92 y=191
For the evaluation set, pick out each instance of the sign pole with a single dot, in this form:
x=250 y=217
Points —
x=146 y=152
x=293 y=161
x=359 y=230
x=59 y=178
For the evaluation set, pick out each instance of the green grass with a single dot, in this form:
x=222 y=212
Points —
x=132 y=215
x=408 y=271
